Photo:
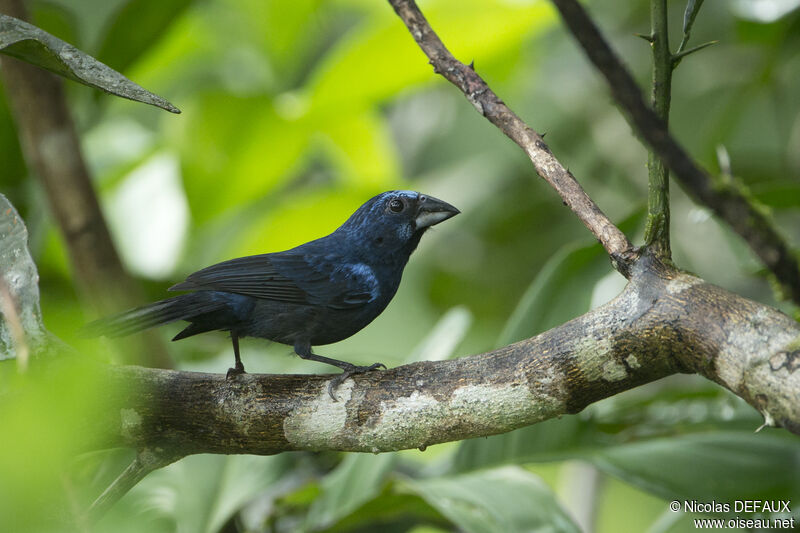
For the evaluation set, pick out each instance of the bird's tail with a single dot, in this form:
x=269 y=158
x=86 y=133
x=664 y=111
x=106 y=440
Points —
x=182 y=307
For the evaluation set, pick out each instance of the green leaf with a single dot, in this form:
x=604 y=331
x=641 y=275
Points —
x=358 y=479
x=501 y=500
x=29 y=43
x=722 y=466
x=136 y=27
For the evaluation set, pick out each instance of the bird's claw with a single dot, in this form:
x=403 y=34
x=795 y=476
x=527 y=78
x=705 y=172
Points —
x=235 y=371
x=351 y=370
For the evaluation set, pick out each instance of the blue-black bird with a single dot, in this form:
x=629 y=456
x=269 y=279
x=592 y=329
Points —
x=317 y=293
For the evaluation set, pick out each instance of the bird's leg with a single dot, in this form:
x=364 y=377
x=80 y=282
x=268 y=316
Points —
x=238 y=367
x=304 y=351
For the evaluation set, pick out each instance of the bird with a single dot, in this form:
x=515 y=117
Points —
x=315 y=294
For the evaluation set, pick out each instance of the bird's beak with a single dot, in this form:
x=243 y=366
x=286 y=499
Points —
x=431 y=211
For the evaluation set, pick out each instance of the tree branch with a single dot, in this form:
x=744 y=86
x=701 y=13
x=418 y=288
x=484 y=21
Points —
x=663 y=323
x=146 y=461
x=692 y=9
x=726 y=200
x=488 y=104
x=52 y=150
x=656 y=233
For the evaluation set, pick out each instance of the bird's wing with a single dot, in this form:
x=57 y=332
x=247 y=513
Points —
x=251 y=276
x=329 y=279
x=288 y=277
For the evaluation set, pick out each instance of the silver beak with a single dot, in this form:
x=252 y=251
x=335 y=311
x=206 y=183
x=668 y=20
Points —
x=431 y=211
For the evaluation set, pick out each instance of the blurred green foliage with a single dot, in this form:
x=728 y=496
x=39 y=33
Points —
x=293 y=114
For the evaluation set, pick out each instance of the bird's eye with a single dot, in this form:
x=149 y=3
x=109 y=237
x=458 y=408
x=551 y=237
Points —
x=396 y=205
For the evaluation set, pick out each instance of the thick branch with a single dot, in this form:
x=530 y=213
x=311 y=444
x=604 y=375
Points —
x=725 y=200
x=664 y=322
x=488 y=104
x=52 y=150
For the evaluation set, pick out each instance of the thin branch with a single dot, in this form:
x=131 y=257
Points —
x=692 y=9
x=146 y=461
x=678 y=56
x=727 y=201
x=689 y=16
x=656 y=234
x=52 y=151
x=488 y=104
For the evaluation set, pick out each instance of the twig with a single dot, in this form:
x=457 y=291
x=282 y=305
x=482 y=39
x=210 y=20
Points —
x=656 y=234
x=678 y=56
x=726 y=201
x=488 y=104
x=692 y=9
x=146 y=461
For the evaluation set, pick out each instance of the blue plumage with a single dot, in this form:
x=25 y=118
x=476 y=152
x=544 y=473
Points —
x=317 y=293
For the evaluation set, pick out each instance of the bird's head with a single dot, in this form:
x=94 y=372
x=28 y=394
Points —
x=394 y=221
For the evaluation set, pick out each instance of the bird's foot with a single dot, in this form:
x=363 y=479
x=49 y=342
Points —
x=350 y=370
x=235 y=371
